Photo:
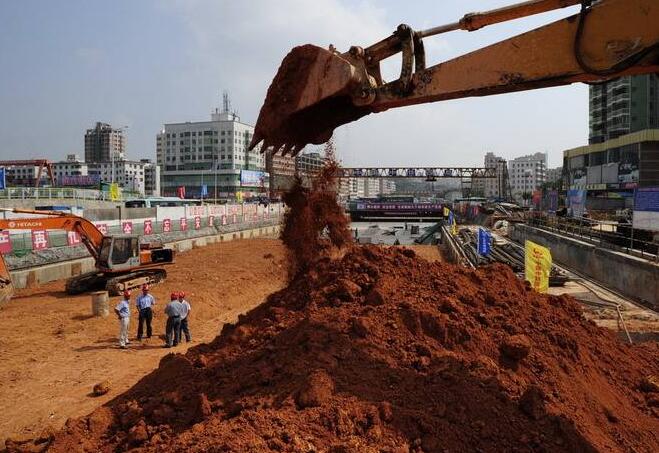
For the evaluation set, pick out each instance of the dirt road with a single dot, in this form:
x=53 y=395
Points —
x=52 y=351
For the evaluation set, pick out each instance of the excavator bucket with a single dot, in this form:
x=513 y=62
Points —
x=310 y=96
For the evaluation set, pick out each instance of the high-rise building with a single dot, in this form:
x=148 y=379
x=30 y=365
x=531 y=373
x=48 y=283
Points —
x=622 y=106
x=527 y=173
x=211 y=153
x=104 y=143
x=496 y=187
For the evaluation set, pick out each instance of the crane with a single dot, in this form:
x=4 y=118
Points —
x=121 y=261
x=316 y=90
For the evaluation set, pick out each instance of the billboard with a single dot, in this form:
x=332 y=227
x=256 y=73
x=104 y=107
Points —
x=80 y=180
x=576 y=202
x=251 y=177
x=646 y=209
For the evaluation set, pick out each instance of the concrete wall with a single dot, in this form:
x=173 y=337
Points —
x=43 y=274
x=634 y=277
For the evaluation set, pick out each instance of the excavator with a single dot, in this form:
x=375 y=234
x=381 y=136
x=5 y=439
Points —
x=317 y=90
x=121 y=261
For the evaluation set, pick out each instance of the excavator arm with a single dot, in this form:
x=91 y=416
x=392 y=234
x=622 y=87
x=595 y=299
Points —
x=316 y=90
x=90 y=236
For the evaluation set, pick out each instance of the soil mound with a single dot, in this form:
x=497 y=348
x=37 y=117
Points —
x=382 y=351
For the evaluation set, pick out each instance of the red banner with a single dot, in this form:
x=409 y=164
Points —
x=5 y=243
x=103 y=228
x=197 y=222
x=224 y=220
x=184 y=223
x=211 y=220
x=166 y=225
x=127 y=227
x=39 y=239
x=181 y=192
x=148 y=227
x=235 y=218
x=73 y=238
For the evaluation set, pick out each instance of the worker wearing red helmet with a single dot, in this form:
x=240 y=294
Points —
x=185 y=315
x=123 y=314
x=145 y=302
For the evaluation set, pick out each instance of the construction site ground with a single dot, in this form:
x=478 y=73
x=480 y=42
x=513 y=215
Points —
x=53 y=351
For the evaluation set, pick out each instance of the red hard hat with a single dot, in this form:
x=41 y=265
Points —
x=126 y=293
x=173 y=296
x=145 y=287
x=181 y=294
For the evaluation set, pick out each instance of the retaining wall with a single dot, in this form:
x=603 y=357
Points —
x=634 y=277
x=47 y=273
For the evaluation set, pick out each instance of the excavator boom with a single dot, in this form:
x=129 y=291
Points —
x=317 y=90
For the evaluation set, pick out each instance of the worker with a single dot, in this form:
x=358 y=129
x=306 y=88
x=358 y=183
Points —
x=185 y=312
x=145 y=302
x=123 y=314
x=173 y=311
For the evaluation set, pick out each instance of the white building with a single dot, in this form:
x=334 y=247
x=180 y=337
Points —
x=387 y=186
x=527 y=173
x=364 y=187
x=211 y=153
x=151 y=178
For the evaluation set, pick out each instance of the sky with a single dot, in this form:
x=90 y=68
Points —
x=142 y=63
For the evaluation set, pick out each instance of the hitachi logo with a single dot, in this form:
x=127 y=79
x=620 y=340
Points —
x=24 y=224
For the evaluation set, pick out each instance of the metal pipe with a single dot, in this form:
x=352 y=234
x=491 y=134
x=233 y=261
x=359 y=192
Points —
x=475 y=21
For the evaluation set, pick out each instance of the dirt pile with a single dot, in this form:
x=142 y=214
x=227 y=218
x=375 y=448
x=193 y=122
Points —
x=382 y=351
x=314 y=224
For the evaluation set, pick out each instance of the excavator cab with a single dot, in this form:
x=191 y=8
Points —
x=119 y=253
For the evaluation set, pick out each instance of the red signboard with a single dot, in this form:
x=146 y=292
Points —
x=39 y=239
x=127 y=227
x=197 y=222
x=72 y=238
x=184 y=223
x=166 y=225
x=211 y=220
x=148 y=227
x=5 y=243
x=103 y=228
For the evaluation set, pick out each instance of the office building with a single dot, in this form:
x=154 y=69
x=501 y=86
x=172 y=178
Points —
x=309 y=163
x=210 y=154
x=610 y=171
x=281 y=170
x=526 y=174
x=104 y=143
x=623 y=106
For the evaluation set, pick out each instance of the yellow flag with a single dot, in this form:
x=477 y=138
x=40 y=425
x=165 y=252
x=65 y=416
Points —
x=239 y=197
x=537 y=263
x=446 y=211
x=454 y=229
x=114 y=192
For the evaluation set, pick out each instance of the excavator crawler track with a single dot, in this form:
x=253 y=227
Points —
x=89 y=281
x=116 y=285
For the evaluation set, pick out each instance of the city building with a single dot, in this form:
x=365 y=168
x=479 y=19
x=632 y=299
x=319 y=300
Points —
x=309 y=163
x=151 y=178
x=210 y=154
x=610 y=171
x=526 y=174
x=129 y=175
x=281 y=170
x=555 y=176
x=496 y=187
x=104 y=143
x=623 y=106
x=387 y=186
x=23 y=175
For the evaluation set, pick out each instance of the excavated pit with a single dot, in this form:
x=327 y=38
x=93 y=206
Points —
x=377 y=350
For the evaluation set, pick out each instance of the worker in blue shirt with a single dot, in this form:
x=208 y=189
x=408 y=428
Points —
x=145 y=302
x=123 y=313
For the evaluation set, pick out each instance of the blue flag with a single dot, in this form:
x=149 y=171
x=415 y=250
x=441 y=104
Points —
x=204 y=191
x=2 y=179
x=484 y=239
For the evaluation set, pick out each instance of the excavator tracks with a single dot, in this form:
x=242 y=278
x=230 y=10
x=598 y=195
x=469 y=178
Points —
x=89 y=281
x=116 y=285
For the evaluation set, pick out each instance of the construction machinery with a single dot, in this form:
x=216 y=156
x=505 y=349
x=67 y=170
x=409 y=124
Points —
x=121 y=261
x=316 y=90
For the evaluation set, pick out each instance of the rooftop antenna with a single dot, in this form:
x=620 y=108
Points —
x=226 y=103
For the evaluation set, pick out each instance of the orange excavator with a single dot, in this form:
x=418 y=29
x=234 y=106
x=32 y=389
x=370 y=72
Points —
x=316 y=90
x=121 y=261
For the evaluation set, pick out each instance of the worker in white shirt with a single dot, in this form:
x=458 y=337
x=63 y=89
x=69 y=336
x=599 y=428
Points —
x=185 y=314
x=123 y=313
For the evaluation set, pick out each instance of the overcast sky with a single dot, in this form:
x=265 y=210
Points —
x=142 y=63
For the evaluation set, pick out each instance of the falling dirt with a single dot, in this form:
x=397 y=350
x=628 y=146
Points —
x=378 y=350
x=315 y=224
